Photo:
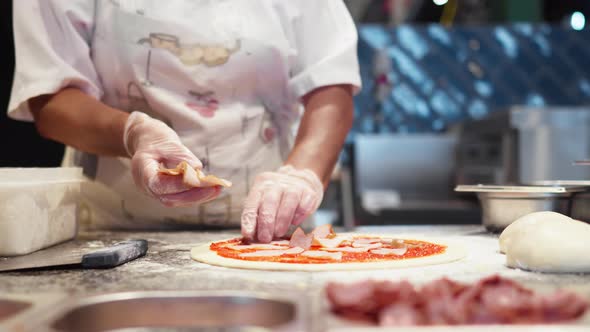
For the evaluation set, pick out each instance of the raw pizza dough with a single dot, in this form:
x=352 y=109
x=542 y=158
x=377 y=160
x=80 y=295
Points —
x=547 y=242
x=453 y=253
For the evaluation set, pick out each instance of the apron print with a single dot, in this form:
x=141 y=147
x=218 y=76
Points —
x=267 y=131
x=191 y=54
x=204 y=103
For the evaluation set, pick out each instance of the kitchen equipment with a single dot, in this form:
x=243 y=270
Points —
x=407 y=179
x=69 y=254
x=194 y=311
x=487 y=151
x=524 y=145
x=549 y=139
x=580 y=201
x=38 y=208
x=502 y=205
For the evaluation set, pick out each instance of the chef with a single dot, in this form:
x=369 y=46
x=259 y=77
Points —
x=258 y=92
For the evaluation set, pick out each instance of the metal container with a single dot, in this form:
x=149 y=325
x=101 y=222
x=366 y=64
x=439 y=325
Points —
x=163 y=311
x=547 y=143
x=580 y=205
x=38 y=208
x=502 y=205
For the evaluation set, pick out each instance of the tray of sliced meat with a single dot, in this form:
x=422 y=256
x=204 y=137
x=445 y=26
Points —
x=493 y=303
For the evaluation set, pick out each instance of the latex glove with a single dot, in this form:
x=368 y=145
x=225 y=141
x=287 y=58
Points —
x=150 y=143
x=280 y=199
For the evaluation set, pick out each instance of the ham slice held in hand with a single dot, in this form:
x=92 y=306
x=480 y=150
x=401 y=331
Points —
x=195 y=177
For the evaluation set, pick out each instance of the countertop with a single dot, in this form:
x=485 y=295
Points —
x=168 y=266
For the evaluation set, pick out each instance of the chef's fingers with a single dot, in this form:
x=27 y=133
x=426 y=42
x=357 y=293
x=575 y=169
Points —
x=307 y=206
x=191 y=196
x=289 y=203
x=171 y=153
x=267 y=213
x=147 y=177
x=250 y=213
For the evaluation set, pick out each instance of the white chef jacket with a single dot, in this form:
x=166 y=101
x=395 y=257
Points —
x=226 y=75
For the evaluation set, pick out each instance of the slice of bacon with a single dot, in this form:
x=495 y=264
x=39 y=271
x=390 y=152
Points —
x=329 y=243
x=366 y=240
x=194 y=177
x=323 y=232
x=323 y=255
x=280 y=242
x=370 y=246
x=273 y=253
x=347 y=249
x=261 y=246
x=300 y=239
x=397 y=243
x=388 y=251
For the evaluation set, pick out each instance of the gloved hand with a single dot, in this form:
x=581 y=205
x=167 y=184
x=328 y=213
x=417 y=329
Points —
x=149 y=143
x=280 y=199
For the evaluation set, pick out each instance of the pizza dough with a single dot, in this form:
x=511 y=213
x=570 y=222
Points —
x=547 y=242
x=453 y=253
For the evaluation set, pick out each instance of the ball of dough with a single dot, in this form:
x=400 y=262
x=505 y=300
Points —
x=547 y=242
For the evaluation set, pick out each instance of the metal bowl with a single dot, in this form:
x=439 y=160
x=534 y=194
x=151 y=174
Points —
x=502 y=205
x=153 y=311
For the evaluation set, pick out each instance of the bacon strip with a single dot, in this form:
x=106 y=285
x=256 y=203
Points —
x=347 y=249
x=323 y=232
x=299 y=239
x=387 y=251
x=280 y=242
x=323 y=255
x=366 y=240
x=194 y=177
x=329 y=243
x=367 y=245
x=262 y=246
x=273 y=253
x=492 y=300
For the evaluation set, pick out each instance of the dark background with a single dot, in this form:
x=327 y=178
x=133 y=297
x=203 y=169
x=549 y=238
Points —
x=21 y=146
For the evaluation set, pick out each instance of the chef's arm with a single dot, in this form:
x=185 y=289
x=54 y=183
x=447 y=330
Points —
x=78 y=120
x=325 y=124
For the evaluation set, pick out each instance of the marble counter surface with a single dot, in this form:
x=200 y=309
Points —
x=168 y=266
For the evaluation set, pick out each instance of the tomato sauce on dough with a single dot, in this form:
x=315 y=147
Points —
x=415 y=249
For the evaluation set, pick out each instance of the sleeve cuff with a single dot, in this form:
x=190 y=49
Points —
x=18 y=108
x=304 y=83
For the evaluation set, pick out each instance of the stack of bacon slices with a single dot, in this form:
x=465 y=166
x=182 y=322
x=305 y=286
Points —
x=323 y=243
x=492 y=300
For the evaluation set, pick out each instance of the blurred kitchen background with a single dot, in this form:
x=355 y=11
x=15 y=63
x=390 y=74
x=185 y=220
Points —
x=455 y=92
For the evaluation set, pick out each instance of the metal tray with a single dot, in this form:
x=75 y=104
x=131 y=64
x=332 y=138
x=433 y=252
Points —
x=502 y=205
x=169 y=311
x=525 y=191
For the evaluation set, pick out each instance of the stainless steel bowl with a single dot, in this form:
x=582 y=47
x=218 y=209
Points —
x=500 y=210
x=164 y=311
x=502 y=205
x=580 y=206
